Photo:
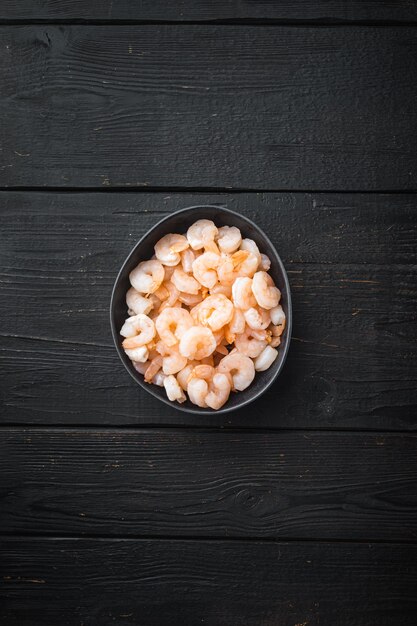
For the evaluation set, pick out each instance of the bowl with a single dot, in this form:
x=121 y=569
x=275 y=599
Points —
x=179 y=222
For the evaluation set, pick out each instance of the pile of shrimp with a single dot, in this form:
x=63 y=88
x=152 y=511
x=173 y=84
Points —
x=204 y=315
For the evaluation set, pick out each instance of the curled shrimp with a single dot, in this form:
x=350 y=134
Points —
x=138 y=355
x=184 y=375
x=201 y=234
x=188 y=257
x=138 y=303
x=241 y=369
x=138 y=330
x=173 y=390
x=172 y=323
x=197 y=343
x=265 y=359
x=173 y=295
x=168 y=248
x=218 y=391
x=215 y=311
x=189 y=299
x=264 y=290
x=147 y=276
x=250 y=245
x=257 y=318
x=184 y=282
x=173 y=362
x=226 y=290
x=229 y=239
x=153 y=368
x=237 y=323
x=204 y=269
x=243 y=297
x=197 y=390
x=249 y=343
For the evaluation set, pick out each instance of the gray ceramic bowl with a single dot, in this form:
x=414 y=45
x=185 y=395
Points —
x=179 y=222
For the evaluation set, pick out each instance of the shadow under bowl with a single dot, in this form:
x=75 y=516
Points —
x=179 y=222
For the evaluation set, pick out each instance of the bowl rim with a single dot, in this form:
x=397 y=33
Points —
x=288 y=328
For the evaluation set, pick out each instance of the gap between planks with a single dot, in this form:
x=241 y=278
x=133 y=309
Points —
x=293 y=23
x=214 y=190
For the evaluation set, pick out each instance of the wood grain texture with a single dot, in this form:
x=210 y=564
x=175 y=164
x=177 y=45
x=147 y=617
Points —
x=189 y=10
x=351 y=264
x=209 y=106
x=209 y=484
x=158 y=583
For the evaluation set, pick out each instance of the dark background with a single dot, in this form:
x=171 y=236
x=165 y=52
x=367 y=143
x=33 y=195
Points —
x=301 y=509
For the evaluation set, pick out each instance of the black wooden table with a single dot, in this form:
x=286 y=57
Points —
x=301 y=509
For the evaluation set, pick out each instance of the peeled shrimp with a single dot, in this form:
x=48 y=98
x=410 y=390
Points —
x=197 y=390
x=265 y=263
x=250 y=345
x=226 y=290
x=153 y=368
x=257 y=318
x=241 y=369
x=250 y=245
x=173 y=295
x=188 y=256
x=215 y=311
x=138 y=303
x=147 y=276
x=174 y=391
x=138 y=330
x=264 y=290
x=139 y=354
x=238 y=322
x=173 y=362
x=184 y=282
x=278 y=316
x=204 y=269
x=168 y=248
x=172 y=323
x=243 y=297
x=219 y=391
x=265 y=359
x=189 y=299
x=229 y=239
x=197 y=342
x=201 y=234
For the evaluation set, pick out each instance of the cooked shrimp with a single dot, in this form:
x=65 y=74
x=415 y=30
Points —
x=138 y=303
x=197 y=343
x=229 y=239
x=201 y=234
x=249 y=345
x=141 y=367
x=174 y=391
x=237 y=323
x=275 y=342
x=153 y=368
x=172 y=323
x=265 y=263
x=226 y=290
x=250 y=245
x=173 y=362
x=138 y=330
x=265 y=359
x=162 y=293
x=206 y=372
x=140 y=354
x=264 y=290
x=190 y=300
x=147 y=276
x=204 y=269
x=241 y=369
x=215 y=311
x=183 y=375
x=243 y=297
x=187 y=258
x=172 y=298
x=240 y=263
x=257 y=318
x=219 y=391
x=158 y=379
x=168 y=248
x=197 y=390
x=184 y=282
x=278 y=316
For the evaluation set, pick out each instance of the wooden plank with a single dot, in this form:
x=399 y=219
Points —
x=47 y=582
x=189 y=10
x=350 y=259
x=209 y=106
x=355 y=486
